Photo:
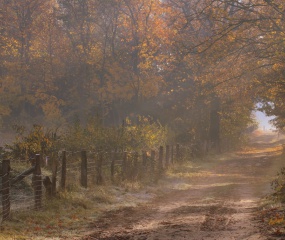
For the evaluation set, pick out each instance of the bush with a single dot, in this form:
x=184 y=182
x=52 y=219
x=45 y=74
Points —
x=146 y=134
x=26 y=145
x=278 y=185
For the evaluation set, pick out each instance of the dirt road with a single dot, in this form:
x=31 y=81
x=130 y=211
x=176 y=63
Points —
x=214 y=200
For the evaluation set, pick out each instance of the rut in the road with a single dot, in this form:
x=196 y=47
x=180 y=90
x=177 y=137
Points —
x=218 y=218
x=218 y=206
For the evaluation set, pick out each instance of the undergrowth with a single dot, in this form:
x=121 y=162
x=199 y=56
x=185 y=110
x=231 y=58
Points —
x=66 y=214
x=272 y=210
x=278 y=186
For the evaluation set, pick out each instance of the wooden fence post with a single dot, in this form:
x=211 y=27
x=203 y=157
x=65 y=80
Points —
x=63 y=171
x=167 y=156
x=178 y=156
x=172 y=155
x=144 y=168
x=160 y=159
x=6 y=189
x=37 y=182
x=42 y=158
x=152 y=159
x=114 y=155
x=54 y=174
x=124 y=165
x=99 y=177
x=144 y=163
x=48 y=186
x=136 y=166
x=83 y=179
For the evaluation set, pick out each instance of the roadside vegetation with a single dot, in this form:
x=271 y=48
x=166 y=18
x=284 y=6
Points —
x=272 y=212
x=130 y=76
x=76 y=207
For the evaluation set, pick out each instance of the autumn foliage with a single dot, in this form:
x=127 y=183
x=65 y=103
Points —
x=197 y=67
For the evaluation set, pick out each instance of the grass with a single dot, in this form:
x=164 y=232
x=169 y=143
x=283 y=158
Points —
x=58 y=215
x=72 y=212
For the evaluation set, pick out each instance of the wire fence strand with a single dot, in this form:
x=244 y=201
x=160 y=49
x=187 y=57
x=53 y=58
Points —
x=98 y=167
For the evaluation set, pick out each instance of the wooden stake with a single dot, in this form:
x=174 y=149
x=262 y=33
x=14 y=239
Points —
x=63 y=171
x=37 y=183
x=6 y=189
x=83 y=179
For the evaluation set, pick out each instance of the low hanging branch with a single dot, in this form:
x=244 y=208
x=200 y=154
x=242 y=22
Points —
x=22 y=176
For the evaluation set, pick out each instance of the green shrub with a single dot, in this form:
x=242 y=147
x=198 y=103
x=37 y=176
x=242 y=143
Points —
x=27 y=144
x=146 y=134
x=278 y=185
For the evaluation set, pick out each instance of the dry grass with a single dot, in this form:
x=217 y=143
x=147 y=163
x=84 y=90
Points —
x=68 y=215
x=71 y=212
x=59 y=217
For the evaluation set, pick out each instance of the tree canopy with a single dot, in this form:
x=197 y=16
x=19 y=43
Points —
x=197 y=66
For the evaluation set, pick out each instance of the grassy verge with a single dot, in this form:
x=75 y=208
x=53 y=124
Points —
x=69 y=214
x=271 y=213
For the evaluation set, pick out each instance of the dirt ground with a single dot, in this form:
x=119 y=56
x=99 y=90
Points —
x=218 y=201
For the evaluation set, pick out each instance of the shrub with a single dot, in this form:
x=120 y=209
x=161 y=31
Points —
x=278 y=185
x=27 y=144
x=145 y=134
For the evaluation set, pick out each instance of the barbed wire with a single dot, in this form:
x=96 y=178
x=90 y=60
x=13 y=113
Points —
x=99 y=162
x=23 y=200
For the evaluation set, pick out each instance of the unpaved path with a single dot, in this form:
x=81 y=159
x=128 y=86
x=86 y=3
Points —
x=218 y=201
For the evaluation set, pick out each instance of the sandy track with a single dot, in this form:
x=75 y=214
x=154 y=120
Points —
x=220 y=204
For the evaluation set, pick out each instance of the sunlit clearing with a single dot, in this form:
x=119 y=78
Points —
x=264 y=121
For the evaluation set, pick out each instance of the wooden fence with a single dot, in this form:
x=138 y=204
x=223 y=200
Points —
x=85 y=168
x=8 y=182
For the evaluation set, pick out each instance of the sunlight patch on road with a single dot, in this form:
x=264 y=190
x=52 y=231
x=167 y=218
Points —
x=185 y=186
x=248 y=201
x=208 y=174
x=189 y=174
x=254 y=150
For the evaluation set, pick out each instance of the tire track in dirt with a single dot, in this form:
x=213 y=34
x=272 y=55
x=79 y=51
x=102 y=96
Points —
x=218 y=206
